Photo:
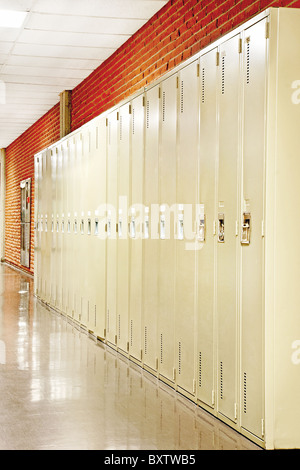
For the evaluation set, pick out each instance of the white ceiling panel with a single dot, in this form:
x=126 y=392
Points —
x=65 y=52
x=53 y=62
x=44 y=72
x=57 y=38
x=142 y=9
x=83 y=24
x=60 y=43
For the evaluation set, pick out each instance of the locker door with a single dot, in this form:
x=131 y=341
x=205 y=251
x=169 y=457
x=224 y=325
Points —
x=187 y=170
x=205 y=231
x=47 y=232
x=252 y=241
x=122 y=224
x=227 y=217
x=43 y=219
x=167 y=197
x=64 y=237
x=78 y=228
x=92 y=202
x=99 y=236
x=112 y=202
x=37 y=205
x=58 y=277
x=52 y=229
x=85 y=229
x=136 y=242
x=151 y=245
x=69 y=226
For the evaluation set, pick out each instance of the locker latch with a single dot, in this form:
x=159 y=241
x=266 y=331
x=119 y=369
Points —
x=246 y=228
x=221 y=228
x=201 y=228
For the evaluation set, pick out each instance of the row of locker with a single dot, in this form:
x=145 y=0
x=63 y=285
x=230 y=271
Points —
x=150 y=228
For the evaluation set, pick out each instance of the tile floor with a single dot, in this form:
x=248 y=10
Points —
x=62 y=390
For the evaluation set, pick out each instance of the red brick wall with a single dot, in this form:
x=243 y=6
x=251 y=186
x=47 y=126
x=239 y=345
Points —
x=20 y=166
x=175 y=33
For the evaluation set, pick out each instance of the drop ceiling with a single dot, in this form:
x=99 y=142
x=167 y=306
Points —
x=59 y=44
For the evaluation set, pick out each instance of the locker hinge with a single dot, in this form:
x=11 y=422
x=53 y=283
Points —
x=174 y=373
x=104 y=332
x=267 y=30
x=263 y=428
x=130 y=109
x=106 y=122
x=217 y=59
x=213 y=397
x=235 y=411
x=198 y=70
x=194 y=386
x=240 y=45
x=177 y=82
x=118 y=115
x=116 y=339
x=144 y=101
x=127 y=346
x=159 y=92
x=141 y=354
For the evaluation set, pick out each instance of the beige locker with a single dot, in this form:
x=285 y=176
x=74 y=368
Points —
x=71 y=270
x=58 y=228
x=64 y=235
x=123 y=203
x=151 y=244
x=252 y=227
x=37 y=208
x=136 y=241
x=85 y=227
x=187 y=170
x=51 y=223
x=112 y=204
x=227 y=217
x=167 y=198
x=99 y=229
x=206 y=216
x=78 y=226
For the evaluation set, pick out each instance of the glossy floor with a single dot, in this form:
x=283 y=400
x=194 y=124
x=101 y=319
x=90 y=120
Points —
x=60 y=389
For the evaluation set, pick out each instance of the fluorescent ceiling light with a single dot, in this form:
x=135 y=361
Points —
x=12 y=19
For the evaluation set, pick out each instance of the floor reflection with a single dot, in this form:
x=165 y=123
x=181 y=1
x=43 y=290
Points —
x=62 y=390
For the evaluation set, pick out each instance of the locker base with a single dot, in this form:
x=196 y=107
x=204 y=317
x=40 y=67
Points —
x=155 y=374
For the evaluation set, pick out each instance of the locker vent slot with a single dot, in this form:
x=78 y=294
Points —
x=164 y=106
x=131 y=331
x=161 y=348
x=221 y=380
x=200 y=369
x=203 y=85
x=121 y=127
x=133 y=121
x=119 y=327
x=179 y=358
x=248 y=64
x=245 y=393
x=148 y=114
x=223 y=75
x=146 y=334
x=109 y=133
x=181 y=97
x=97 y=137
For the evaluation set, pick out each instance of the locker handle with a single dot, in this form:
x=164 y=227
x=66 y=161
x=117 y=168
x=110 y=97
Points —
x=246 y=229
x=221 y=228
